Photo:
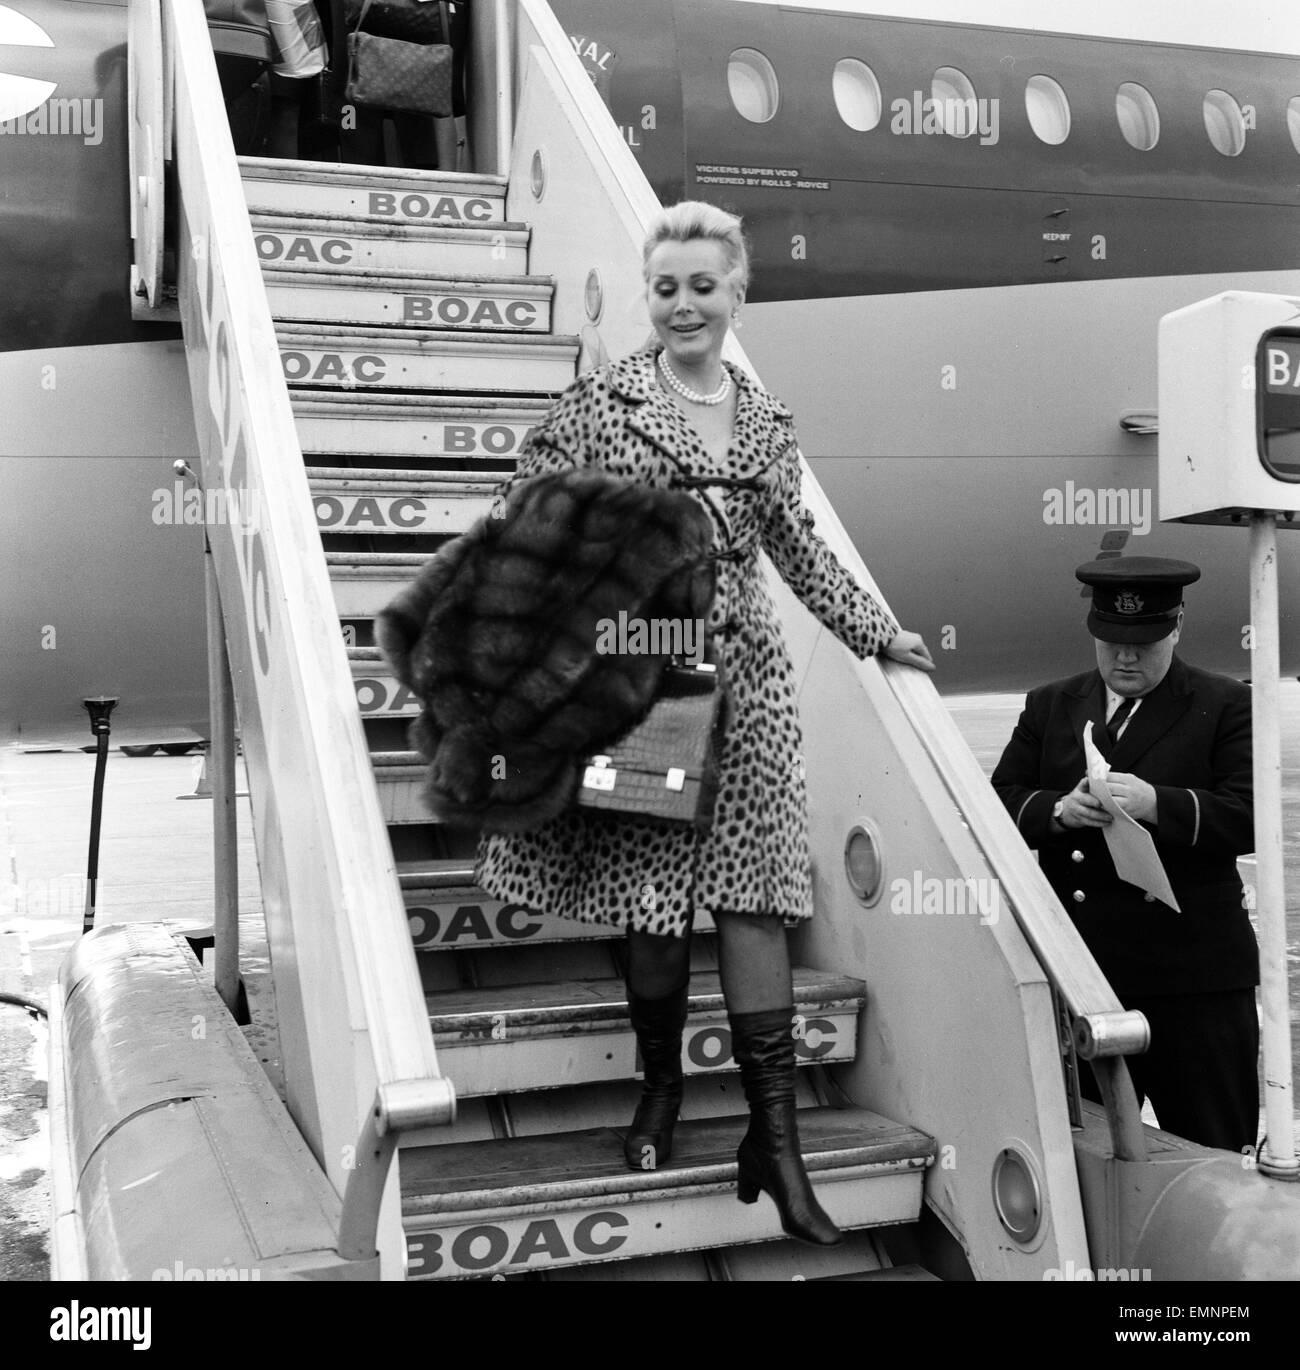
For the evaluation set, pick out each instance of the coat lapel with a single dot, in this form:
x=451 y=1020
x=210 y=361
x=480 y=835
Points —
x=1089 y=705
x=762 y=429
x=761 y=432
x=653 y=415
x=1160 y=710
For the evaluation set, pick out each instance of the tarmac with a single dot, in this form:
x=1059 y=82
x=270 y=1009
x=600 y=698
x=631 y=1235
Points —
x=155 y=862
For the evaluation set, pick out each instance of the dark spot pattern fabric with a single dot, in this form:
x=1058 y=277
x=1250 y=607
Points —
x=648 y=877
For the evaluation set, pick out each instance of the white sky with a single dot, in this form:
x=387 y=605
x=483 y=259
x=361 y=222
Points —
x=1266 y=25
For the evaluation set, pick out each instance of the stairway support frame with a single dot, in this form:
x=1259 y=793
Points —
x=225 y=830
x=397 y=1107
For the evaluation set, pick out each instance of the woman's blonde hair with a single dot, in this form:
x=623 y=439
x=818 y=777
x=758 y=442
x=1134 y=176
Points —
x=694 y=219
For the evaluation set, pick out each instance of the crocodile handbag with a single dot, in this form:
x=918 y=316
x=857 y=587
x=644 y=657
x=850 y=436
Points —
x=665 y=768
x=386 y=73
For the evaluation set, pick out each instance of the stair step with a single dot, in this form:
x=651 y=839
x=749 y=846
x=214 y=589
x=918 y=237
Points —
x=397 y=502
x=447 y=911
x=365 y=582
x=457 y=427
x=379 y=692
x=410 y=359
x=292 y=242
x=479 y=304
x=273 y=185
x=537 y=1203
x=400 y=778
x=389 y=480
x=784 y=1261
x=901 y=1274
x=544 y=1036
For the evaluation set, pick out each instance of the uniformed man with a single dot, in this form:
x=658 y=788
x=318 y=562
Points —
x=1178 y=741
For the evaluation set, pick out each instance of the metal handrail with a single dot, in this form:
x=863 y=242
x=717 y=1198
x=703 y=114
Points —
x=1103 y=1031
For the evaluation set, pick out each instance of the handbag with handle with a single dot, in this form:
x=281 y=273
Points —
x=387 y=73
x=665 y=768
x=413 y=21
x=239 y=28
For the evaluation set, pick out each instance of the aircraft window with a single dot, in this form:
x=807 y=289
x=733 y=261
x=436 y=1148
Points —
x=955 y=103
x=1224 y=122
x=1048 y=108
x=857 y=94
x=751 y=79
x=1139 y=119
x=1293 y=120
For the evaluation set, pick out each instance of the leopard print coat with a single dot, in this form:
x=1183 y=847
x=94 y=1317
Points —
x=754 y=860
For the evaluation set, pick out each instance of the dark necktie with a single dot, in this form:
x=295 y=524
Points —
x=1117 y=720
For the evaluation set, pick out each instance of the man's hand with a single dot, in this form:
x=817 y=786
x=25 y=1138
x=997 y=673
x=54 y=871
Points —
x=1133 y=795
x=1079 y=809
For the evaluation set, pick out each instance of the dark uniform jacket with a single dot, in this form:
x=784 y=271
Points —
x=1191 y=739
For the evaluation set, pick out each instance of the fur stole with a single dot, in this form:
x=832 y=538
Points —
x=498 y=635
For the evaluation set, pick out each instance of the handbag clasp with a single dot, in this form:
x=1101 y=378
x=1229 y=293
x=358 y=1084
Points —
x=600 y=775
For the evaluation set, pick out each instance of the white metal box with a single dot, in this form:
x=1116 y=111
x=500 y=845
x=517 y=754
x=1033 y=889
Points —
x=1229 y=403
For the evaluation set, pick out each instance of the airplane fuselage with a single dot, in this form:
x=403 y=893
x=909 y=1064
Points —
x=961 y=322
x=958 y=322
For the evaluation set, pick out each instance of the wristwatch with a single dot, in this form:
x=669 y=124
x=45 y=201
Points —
x=1057 y=810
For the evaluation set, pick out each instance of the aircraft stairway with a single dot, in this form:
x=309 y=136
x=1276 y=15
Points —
x=418 y=352
x=367 y=349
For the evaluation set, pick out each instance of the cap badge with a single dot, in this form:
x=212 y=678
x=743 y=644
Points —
x=1126 y=602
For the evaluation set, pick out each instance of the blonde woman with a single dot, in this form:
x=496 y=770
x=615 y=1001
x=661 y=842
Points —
x=675 y=416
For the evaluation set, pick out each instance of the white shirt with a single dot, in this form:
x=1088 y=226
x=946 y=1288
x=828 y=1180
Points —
x=1113 y=701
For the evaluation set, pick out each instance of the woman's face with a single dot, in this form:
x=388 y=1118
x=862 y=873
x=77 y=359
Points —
x=692 y=292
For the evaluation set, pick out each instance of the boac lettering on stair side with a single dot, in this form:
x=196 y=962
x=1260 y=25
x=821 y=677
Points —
x=443 y=208
x=365 y=369
x=453 y=311
x=205 y=309
x=476 y=1250
x=364 y=511
x=709 y=1047
x=274 y=248
x=376 y=696
x=450 y=925
x=493 y=439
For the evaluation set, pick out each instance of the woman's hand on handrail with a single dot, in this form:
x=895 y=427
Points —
x=910 y=650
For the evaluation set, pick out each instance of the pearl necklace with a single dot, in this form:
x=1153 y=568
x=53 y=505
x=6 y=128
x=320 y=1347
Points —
x=685 y=391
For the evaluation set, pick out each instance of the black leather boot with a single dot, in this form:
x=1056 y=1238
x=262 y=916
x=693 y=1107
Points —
x=769 y=1155
x=658 y=1024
